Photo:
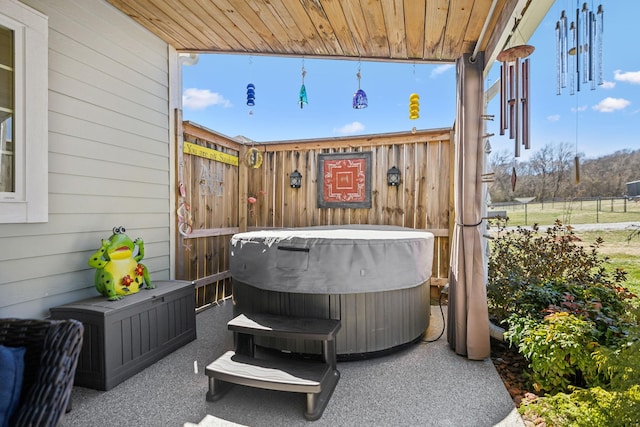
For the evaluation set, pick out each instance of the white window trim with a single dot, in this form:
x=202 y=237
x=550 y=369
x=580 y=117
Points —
x=29 y=202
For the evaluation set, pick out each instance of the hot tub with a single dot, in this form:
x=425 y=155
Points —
x=375 y=279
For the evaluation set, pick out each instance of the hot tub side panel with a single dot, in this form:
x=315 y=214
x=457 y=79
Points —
x=371 y=322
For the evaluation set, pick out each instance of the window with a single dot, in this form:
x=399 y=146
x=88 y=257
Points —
x=23 y=114
x=7 y=161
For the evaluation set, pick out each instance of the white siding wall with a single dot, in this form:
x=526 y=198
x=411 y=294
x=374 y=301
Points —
x=109 y=157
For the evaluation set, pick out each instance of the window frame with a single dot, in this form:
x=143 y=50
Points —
x=29 y=200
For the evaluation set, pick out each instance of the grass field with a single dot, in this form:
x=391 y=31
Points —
x=622 y=253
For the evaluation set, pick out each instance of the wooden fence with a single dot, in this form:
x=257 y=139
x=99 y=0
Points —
x=218 y=194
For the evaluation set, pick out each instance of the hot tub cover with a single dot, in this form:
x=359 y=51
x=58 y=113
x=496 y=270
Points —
x=332 y=260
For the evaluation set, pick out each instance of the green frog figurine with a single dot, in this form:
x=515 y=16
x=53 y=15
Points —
x=118 y=271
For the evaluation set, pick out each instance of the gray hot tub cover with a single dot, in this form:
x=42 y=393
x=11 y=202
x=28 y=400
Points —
x=332 y=260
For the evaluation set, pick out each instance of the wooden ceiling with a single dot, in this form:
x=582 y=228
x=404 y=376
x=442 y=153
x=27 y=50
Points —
x=388 y=30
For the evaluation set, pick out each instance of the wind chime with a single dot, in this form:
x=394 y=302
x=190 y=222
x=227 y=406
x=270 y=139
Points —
x=302 y=95
x=579 y=53
x=579 y=49
x=359 y=97
x=514 y=95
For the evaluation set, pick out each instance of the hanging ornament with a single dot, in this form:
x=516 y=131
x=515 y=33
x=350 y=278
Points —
x=359 y=97
x=579 y=49
x=414 y=106
x=302 y=96
x=251 y=95
x=414 y=101
x=251 y=90
x=514 y=95
x=253 y=158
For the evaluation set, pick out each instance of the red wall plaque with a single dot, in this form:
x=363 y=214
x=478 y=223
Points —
x=344 y=180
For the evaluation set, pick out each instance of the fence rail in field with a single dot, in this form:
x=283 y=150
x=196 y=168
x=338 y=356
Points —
x=576 y=210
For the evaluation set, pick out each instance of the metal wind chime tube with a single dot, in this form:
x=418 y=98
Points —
x=503 y=98
x=592 y=44
x=526 y=134
x=513 y=103
x=514 y=95
x=561 y=52
x=585 y=25
x=572 y=63
x=581 y=47
x=599 y=43
x=565 y=47
x=559 y=73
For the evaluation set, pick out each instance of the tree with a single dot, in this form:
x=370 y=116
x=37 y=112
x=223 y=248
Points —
x=548 y=174
x=562 y=165
x=542 y=167
x=500 y=163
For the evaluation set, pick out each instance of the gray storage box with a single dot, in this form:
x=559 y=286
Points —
x=121 y=338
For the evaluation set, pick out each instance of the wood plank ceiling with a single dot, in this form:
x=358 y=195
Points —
x=387 y=30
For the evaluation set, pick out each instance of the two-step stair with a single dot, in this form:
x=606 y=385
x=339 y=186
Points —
x=316 y=379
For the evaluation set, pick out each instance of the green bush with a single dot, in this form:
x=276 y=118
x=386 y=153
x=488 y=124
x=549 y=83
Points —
x=616 y=403
x=558 y=349
x=533 y=273
x=573 y=320
x=620 y=366
x=594 y=407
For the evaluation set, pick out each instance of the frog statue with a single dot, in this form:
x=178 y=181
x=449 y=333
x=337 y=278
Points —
x=118 y=271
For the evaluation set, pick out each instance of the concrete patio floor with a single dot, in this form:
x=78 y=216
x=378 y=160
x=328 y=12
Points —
x=425 y=384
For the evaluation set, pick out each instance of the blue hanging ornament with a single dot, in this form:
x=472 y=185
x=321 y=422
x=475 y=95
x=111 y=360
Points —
x=359 y=97
x=251 y=95
x=302 y=96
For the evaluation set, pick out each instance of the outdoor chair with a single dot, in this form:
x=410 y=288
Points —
x=52 y=348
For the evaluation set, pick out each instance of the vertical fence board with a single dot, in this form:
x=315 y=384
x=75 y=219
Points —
x=409 y=183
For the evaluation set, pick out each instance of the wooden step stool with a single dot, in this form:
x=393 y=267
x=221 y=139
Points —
x=316 y=379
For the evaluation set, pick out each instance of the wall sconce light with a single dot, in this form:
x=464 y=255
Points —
x=295 y=179
x=393 y=177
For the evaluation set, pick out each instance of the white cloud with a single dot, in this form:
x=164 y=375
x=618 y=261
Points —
x=199 y=99
x=440 y=69
x=350 y=128
x=608 y=85
x=627 y=76
x=553 y=117
x=580 y=108
x=609 y=105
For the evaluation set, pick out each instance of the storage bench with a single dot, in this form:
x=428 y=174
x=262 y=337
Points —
x=123 y=337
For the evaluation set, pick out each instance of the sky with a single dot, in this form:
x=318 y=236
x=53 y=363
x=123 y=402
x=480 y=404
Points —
x=592 y=122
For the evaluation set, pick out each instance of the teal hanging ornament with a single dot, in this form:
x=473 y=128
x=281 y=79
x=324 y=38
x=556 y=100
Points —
x=359 y=97
x=302 y=96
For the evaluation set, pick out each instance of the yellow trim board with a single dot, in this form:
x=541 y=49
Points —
x=208 y=153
